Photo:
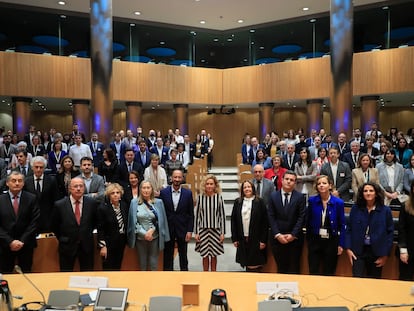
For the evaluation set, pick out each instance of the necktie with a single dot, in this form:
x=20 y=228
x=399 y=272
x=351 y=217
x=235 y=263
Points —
x=129 y=167
x=77 y=212
x=286 y=202
x=143 y=158
x=24 y=170
x=355 y=158
x=38 y=189
x=258 y=188
x=16 y=204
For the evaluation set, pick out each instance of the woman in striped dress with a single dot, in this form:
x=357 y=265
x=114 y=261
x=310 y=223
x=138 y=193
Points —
x=210 y=222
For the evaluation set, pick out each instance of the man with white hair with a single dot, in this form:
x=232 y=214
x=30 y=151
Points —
x=46 y=191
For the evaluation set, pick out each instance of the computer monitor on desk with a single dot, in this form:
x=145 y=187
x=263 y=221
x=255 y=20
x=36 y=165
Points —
x=111 y=299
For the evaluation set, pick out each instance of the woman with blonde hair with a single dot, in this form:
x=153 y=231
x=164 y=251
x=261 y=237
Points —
x=147 y=226
x=156 y=174
x=209 y=222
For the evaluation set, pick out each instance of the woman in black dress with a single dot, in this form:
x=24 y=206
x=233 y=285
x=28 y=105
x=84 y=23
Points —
x=108 y=167
x=249 y=228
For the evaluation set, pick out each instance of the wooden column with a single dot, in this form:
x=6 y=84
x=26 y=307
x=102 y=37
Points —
x=21 y=115
x=81 y=116
x=265 y=119
x=341 y=66
x=369 y=112
x=101 y=68
x=314 y=114
x=133 y=115
x=181 y=118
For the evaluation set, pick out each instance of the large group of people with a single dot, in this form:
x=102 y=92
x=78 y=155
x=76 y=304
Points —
x=132 y=193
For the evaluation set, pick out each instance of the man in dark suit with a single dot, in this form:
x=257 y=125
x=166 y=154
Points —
x=290 y=158
x=19 y=214
x=179 y=207
x=160 y=150
x=118 y=147
x=151 y=139
x=287 y=208
x=342 y=179
x=359 y=139
x=352 y=157
x=29 y=135
x=97 y=149
x=46 y=191
x=264 y=187
x=129 y=165
x=74 y=220
x=22 y=165
x=7 y=149
x=143 y=156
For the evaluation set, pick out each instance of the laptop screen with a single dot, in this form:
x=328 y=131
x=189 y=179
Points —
x=111 y=299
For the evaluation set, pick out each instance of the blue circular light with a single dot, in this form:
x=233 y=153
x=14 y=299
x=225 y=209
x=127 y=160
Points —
x=117 y=47
x=267 y=60
x=84 y=54
x=137 y=59
x=401 y=33
x=286 y=49
x=31 y=49
x=50 y=40
x=312 y=54
x=165 y=52
x=179 y=62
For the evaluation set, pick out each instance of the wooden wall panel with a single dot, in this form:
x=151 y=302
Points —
x=60 y=120
x=226 y=130
x=285 y=119
x=119 y=120
x=387 y=71
x=165 y=83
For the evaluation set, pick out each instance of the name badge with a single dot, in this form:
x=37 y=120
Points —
x=94 y=154
x=57 y=166
x=367 y=240
x=324 y=234
x=341 y=174
x=7 y=160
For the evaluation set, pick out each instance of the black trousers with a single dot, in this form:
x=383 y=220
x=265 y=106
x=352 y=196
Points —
x=67 y=260
x=406 y=270
x=115 y=254
x=364 y=265
x=322 y=255
x=8 y=259
x=169 y=254
x=287 y=256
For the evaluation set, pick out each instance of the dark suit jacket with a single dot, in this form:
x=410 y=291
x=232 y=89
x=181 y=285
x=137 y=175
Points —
x=121 y=150
x=147 y=158
x=349 y=158
x=290 y=219
x=108 y=229
x=267 y=187
x=286 y=162
x=247 y=156
x=124 y=175
x=41 y=151
x=164 y=154
x=343 y=178
x=24 y=226
x=258 y=231
x=68 y=232
x=45 y=200
x=181 y=220
x=28 y=170
x=98 y=153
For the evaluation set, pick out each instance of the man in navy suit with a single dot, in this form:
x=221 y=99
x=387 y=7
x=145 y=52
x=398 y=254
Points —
x=160 y=150
x=287 y=208
x=179 y=207
x=74 y=221
x=97 y=149
x=143 y=156
x=128 y=166
x=19 y=214
x=118 y=147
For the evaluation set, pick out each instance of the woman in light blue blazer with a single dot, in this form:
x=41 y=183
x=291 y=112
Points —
x=147 y=227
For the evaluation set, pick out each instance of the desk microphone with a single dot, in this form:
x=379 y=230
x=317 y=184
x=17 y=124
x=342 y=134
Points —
x=24 y=306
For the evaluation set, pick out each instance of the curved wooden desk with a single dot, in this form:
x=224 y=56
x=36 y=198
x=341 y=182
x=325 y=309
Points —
x=240 y=288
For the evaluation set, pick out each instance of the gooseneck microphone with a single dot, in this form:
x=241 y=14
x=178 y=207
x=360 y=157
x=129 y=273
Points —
x=19 y=270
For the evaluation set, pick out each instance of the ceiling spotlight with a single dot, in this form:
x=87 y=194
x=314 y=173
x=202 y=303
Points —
x=312 y=20
x=386 y=7
x=132 y=25
x=61 y=2
x=202 y=22
x=262 y=47
x=215 y=39
x=252 y=30
x=240 y=21
x=162 y=42
x=305 y=9
x=63 y=16
x=229 y=39
x=137 y=13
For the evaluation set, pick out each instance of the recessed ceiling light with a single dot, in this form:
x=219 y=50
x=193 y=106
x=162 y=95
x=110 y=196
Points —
x=385 y=7
x=137 y=13
x=62 y=16
x=312 y=20
x=215 y=39
x=305 y=9
x=229 y=39
x=132 y=25
x=202 y=22
x=61 y=2
x=252 y=30
x=162 y=42
x=262 y=47
x=240 y=21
